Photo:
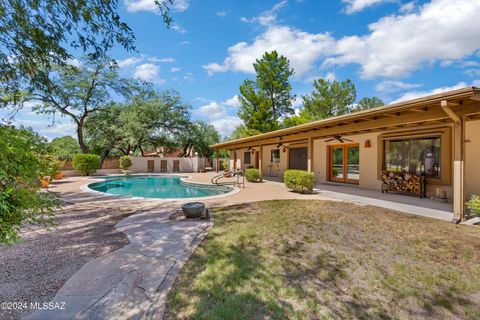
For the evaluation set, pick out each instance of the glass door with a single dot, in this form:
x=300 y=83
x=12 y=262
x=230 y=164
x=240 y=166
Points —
x=344 y=163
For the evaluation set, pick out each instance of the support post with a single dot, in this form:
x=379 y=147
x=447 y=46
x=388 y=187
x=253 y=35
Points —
x=458 y=164
x=260 y=158
x=310 y=154
x=234 y=160
x=217 y=161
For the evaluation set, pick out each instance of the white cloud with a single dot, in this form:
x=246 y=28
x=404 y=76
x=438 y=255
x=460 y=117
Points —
x=184 y=43
x=286 y=40
x=124 y=63
x=398 y=45
x=418 y=94
x=358 y=5
x=178 y=28
x=268 y=17
x=167 y=60
x=222 y=13
x=74 y=62
x=45 y=127
x=233 y=102
x=473 y=72
x=226 y=125
x=391 y=86
x=151 y=6
x=174 y=69
x=148 y=72
x=213 y=111
x=407 y=7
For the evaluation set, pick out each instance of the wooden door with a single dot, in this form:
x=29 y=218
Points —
x=344 y=163
x=150 y=166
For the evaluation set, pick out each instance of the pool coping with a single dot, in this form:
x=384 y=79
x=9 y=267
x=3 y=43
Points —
x=183 y=178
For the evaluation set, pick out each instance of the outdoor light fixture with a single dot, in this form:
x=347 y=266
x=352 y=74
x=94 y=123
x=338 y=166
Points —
x=368 y=144
x=284 y=149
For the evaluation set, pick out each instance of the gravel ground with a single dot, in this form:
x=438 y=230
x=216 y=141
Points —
x=36 y=268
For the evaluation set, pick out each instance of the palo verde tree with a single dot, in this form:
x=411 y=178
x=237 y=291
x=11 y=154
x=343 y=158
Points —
x=269 y=97
x=37 y=36
x=78 y=92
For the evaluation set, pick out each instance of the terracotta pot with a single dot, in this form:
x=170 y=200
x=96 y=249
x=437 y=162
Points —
x=45 y=182
x=60 y=175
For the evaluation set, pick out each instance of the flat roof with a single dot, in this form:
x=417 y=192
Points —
x=452 y=95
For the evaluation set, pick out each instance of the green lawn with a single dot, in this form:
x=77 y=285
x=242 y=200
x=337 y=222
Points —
x=323 y=260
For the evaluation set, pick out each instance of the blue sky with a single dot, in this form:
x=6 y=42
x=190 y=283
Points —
x=394 y=49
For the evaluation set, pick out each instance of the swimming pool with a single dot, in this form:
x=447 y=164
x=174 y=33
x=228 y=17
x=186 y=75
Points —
x=162 y=187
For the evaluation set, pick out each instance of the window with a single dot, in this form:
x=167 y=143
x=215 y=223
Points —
x=275 y=155
x=246 y=157
x=413 y=155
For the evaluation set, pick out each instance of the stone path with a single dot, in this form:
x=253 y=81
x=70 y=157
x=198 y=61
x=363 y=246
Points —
x=132 y=282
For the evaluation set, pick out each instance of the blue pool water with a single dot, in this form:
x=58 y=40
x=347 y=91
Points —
x=156 y=187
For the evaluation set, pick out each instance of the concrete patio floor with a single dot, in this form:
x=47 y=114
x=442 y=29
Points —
x=133 y=281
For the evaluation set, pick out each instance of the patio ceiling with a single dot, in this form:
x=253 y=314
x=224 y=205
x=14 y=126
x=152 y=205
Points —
x=412 y=113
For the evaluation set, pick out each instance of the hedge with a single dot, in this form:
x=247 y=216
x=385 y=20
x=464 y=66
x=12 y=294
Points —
x=86 y=163
x=253 y=175
x=125 y=162
x=299 y=180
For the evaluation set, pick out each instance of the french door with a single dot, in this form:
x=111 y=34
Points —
x=344 y=164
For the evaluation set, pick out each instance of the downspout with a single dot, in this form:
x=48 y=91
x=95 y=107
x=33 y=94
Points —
x=458 y=163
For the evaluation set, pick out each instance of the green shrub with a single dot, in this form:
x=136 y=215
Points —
x=125 y=162
x=474 y=205
x=21 y=165
x=253 y=175
x=86 y=163
x=299 y=180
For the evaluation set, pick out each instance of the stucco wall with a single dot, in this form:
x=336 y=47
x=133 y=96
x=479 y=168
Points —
x=472 y=157
x=139 y=164
x=368 y=159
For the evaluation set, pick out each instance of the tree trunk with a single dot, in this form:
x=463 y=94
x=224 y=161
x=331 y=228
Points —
x=82 y=144
x=103 y=156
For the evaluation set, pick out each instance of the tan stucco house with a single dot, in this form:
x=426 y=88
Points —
x=436 y=137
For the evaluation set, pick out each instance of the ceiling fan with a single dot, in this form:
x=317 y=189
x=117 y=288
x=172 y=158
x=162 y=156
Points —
x=338 y=138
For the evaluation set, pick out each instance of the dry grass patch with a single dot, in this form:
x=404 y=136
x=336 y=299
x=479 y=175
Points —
x=323 y=260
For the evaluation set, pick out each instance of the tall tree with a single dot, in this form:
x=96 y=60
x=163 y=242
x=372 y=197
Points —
x=269 y=97
x=328 y=99
x=368 y=103
x=147 y=120
x=199 y=137
x=65 y=147
x=79 y=92
x=37 y=35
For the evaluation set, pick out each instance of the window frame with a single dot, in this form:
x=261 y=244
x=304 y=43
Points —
x=249 y=157
x=446 y=151
x=271 y=155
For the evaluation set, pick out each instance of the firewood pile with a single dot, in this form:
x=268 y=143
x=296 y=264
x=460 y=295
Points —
x=404 y=183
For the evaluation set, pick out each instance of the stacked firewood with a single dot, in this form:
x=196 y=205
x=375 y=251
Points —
x=402 y=182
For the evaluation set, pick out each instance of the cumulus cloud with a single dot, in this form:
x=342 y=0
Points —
x=358 y=5
x=391 y=86
x=212 y=110
x=45 y=128
x=178 y=28
x=174 y=69
x=148 y=72
x=128 y=62
x=268 y=17
x=233 y=102
x=286 y=40
x=418 y=94
x=226 y=125
x=400 y=44
x=151 y=6
x=222 y=13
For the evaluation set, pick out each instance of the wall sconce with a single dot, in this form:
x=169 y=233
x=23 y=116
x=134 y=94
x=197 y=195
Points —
x=284 y=149
x=253 y=151
x=368 y=144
